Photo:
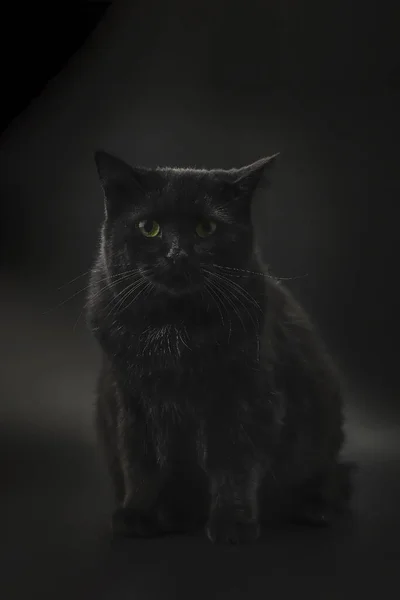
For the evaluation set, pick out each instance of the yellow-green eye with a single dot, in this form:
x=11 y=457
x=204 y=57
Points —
x=205 y=228
x=149 y=228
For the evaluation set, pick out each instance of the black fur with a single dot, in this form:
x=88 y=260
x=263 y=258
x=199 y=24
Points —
x=217 y=403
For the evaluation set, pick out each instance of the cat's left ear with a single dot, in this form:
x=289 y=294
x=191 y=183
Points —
x=246 y=179
x=124 y=185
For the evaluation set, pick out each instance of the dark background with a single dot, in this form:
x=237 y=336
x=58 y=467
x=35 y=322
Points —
x=208 y=83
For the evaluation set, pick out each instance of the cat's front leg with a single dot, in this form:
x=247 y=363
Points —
x=138 y=515
x=143 y=473
x=235 y=475
x=233 y=516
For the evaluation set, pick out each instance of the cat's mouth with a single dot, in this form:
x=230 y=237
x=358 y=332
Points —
x=176 y=282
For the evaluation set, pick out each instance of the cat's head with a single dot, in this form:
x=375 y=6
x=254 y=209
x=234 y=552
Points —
x=170 y=226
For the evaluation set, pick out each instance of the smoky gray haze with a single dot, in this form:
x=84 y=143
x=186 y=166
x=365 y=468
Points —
x=206 y=84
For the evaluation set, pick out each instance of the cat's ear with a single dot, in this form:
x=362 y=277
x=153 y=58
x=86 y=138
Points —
x=122 y=184
x=246 y=179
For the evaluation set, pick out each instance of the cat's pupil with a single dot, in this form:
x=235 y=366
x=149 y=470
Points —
x=148 y=226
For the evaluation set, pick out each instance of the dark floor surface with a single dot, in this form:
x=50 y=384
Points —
x=55 y=500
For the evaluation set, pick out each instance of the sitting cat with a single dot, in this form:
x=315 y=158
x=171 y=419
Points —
x=217 y=404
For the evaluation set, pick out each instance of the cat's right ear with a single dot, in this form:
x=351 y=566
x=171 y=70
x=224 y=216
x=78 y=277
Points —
x=122 y=184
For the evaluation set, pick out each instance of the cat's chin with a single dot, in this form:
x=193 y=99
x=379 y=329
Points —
x=177 y=291
x=177 y=284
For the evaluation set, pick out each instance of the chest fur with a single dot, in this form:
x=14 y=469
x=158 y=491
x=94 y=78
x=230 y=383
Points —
x=164 y=345
x=173 y=362
x=173 y=347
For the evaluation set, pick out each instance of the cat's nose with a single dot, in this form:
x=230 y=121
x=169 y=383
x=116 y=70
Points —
x=177 y=254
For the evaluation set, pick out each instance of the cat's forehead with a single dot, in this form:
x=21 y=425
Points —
x=188 y=192
x=191 y=183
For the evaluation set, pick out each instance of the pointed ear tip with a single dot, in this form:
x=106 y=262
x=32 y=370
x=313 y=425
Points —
x=265 y=161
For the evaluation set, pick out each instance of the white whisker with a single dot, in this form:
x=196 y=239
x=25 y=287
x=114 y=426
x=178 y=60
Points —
x=243 y=293
x=229 y=296
x=229 y=271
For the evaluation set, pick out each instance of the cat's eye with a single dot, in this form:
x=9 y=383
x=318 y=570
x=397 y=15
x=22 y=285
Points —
x=205 y=228
x=149 y=228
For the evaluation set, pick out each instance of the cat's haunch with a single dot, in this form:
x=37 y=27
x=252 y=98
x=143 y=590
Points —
x=217 y=404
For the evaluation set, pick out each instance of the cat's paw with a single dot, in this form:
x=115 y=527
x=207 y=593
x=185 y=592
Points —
x=224 y=529
x=176 y=521
x=127 y=522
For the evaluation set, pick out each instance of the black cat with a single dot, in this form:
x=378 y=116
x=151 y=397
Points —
x=217 y=403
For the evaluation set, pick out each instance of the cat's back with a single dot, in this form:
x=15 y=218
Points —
x=304 y=376
x=289 y=330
